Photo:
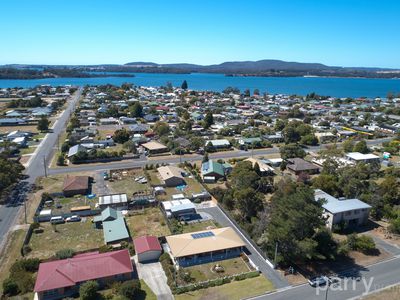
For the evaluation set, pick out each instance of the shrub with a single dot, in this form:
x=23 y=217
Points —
x=164 y=256
x=88 y=290
x=129 y=289
x=65 y=253
x=60 y=160
x=24 y=280
x=10 y=287
x=362 y=243
x=28 y=265
x=26 y=249
x=105 y=248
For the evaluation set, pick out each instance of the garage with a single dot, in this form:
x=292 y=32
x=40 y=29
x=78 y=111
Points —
x=147 y=248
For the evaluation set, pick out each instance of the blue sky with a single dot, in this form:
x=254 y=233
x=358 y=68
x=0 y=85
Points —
x=334 y=32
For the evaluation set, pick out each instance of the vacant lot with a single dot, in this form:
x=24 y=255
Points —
x=232 y=291
x=78 y=236
x=124 y=182
x=148 y=221
x=205 y=272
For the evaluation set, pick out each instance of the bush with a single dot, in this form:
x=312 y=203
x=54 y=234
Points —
x=362 y=243
x=105 y=248
x=65 y=253
x=26 y=249
x=28 y=265
x=60 y=160
x=88 y=290
x=164 y=256
x=10 y=287
x=129 y=289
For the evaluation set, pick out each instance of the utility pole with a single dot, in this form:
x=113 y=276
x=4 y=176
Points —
x=44 y=165
x=26 y=220
x=276 y=254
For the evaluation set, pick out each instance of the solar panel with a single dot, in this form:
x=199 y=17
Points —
x=202 y=235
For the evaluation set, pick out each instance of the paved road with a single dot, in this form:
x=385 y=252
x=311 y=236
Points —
x=264 y=267
x=8 y=213
x=371 y=278
x=165 y=159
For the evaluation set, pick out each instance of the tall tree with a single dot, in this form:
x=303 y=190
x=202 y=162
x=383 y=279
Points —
x=248 y=202
x=208 y=119
x=184 y=85
x=136 y=110
x=43 y=124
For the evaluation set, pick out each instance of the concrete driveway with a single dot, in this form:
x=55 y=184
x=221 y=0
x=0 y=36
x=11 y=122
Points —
x=154 y=276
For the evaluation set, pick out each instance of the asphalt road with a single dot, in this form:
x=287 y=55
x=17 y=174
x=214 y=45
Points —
x=372 y=278
x=140 y=162
x=9 y=212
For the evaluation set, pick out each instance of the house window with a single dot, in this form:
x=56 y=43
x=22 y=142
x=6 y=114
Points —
x=347 y=213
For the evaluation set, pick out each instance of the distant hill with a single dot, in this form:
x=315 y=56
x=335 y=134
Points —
x=265 y=67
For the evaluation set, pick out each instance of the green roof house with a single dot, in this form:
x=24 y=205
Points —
x=114 y=227
x=212 y=169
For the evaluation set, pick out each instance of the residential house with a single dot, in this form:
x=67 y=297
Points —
x=154 y=147
x=358 y=157
x=171 y=175
x=204 y=246
x=76 y=185
x=349 y=212
x=60 y=279
x=178 y=208
x=299 y=165
x=265 y=169
x=113 y=224
x=212 y=170
x=219 y=144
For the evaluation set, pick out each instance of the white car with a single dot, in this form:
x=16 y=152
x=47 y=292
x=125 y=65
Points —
x=73 y=219
x=318 y=281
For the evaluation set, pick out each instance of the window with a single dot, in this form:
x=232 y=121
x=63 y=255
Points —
x=347 y=213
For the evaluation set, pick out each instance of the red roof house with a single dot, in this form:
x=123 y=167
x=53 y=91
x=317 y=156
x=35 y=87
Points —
x=61 y=278
x=147 y=248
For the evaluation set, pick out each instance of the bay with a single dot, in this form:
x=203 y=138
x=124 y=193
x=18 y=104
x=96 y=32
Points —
x=329 y=86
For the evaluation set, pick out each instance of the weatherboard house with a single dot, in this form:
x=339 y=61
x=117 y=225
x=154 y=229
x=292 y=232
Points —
x=204 y=246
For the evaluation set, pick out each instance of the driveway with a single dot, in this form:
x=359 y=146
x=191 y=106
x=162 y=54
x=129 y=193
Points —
x=154 y=276
x=102 y=187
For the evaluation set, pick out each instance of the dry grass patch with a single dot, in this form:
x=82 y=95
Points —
x=148 y=221
x=78 y=236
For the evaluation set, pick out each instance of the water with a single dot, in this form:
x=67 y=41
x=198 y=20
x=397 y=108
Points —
x=338 y=87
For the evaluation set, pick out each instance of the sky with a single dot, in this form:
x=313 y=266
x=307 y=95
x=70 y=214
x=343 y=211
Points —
x=334 y=32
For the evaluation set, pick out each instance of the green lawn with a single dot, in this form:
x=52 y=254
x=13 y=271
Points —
x=198 y=226
x=204 y=272
x=150 y=221
x=154 y=180
x=77 y=236
x=232 y=291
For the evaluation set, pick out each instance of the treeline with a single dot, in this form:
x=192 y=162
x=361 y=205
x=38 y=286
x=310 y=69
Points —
x=10 y=173
x=33 y=102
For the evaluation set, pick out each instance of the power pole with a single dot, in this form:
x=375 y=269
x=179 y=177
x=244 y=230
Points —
x=26 y=220
x=44 y=165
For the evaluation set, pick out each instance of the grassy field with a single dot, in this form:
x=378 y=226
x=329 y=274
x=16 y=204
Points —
x=30 y=128
x=78 y=236
x=11 y=253
x=204 y=272
x=198 y=226
x=151 y=222
x=232 y=291
x=127 y=184
x=392 y=293
x=154 y=180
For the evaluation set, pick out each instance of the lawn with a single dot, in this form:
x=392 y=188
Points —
x=68 y=203
x=27 y=150
x=198 y=226
x=78 y=236
x=154 y=179
x=11 y=252
x=30 y=128
x=231 y=291
x=204 y=272
x=148 y=221
x=392 y=293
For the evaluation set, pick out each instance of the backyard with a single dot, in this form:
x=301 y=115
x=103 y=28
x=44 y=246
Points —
x=198 y=226
x=149 y=221
x=78 y=236
x=233 y=291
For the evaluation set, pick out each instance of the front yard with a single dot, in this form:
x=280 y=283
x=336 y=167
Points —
x=233 y=291
x=77 y=236
x=205 y=272
x=124 y=182
x=149 y=221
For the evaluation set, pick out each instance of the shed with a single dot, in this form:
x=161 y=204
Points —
x=147 y=248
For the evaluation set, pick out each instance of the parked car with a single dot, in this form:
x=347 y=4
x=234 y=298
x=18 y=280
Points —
x=57 y=220
x=73 y=219
x=318 y=281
